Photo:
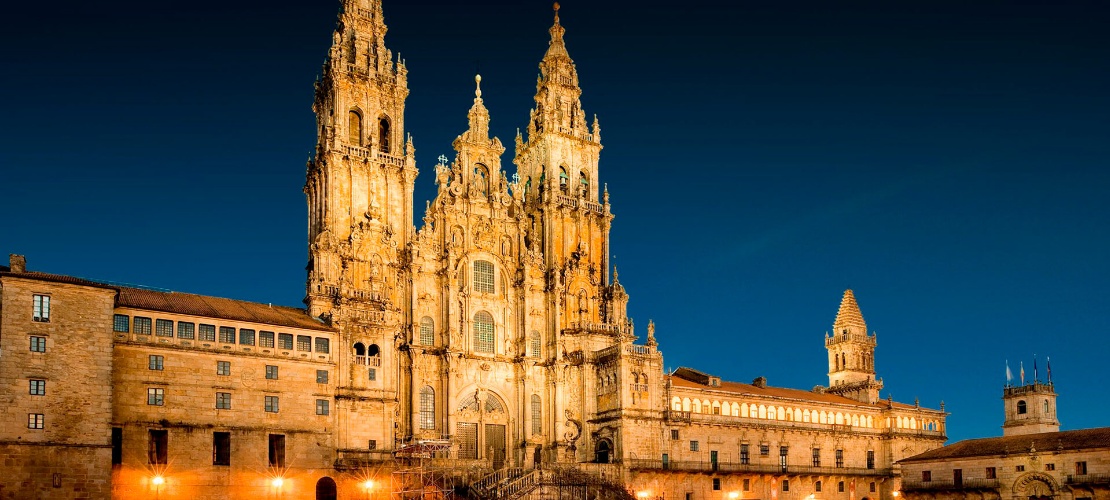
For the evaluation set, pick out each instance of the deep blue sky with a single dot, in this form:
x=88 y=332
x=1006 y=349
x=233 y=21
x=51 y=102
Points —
x=946 y=160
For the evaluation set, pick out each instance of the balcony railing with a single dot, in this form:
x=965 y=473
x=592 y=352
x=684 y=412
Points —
x=352 y=459
x=1088 y=479
x=368 y=360
x=966 y=484
x=776 y=469
x=605 y=328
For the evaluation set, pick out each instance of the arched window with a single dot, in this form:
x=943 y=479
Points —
x=564 y=180
x=483 y=276
x=584 y=182
x=427 y=331
x=537 y=415
x=1021 y=408
x=354 y=128
x=676 y=403
x=534 y=344
x=383 y=134
x=427 y=408
x=1046 y=407
x=697 y=406
x=483 y=332
x=360 y=350
x=373 y=350
x=686 y=404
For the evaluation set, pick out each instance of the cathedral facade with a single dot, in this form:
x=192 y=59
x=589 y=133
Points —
x=493 y=342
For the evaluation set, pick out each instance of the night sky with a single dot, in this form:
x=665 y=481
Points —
x=946 y=160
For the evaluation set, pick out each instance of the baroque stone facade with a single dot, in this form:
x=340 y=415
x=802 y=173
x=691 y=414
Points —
x=494 y=335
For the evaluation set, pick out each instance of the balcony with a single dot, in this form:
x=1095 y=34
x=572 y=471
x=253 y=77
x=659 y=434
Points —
x=966 y=484
x=749 y=468
x=598 y=328
x=368 y=360
x=1088 y=479
x=355 y=459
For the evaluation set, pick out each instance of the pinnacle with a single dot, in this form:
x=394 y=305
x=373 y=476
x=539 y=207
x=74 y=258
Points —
x=849 y=317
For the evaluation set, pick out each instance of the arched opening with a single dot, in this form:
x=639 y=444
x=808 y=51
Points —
x=564 y=180
x=383 y=134
x=602 y=452
x=481 y=179
x=354 y=128
x=584 y=183
x=1021 y=407
x=373 y=350
x=325 y=489
x=481 y=428
x=360 y=350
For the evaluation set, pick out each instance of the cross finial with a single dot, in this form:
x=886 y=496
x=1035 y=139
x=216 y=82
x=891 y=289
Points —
x=478 y=83
x=442 y=160
x=556 y=7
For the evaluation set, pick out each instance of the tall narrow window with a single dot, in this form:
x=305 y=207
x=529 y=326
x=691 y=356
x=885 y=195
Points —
x=483 y=332
x=427 y=408
x=427 y=331
x=383 y=135
x=745 y=455
x=537 y=415
x=117 y=445
x=1021 y=407
x=584 y=183
x=483 y=276
x=41 y=308
x=277 y=451
x=817 y=457
x=221 y=448
x=564 y=179
x=839 y=458
x=870 y=459
x=158 y=452
x=354 y=128
x=534 y=344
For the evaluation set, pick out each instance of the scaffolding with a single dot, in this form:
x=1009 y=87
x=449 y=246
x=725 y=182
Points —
x=418 y=478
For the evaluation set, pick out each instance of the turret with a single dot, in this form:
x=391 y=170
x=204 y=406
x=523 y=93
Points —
x=852 y=354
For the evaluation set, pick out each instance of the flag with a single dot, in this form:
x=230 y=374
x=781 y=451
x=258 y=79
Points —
x=1049 y=370
x=1021 y=370
x=1009 y=374
x=1034 y=368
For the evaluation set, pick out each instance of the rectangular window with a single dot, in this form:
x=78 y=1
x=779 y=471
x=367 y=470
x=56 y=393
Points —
x=372 y=373
x=223 y=400
x=817 y=486
x=483 y=276
x=870 y=459
x=745 y=455
x=782 y=457
x=372 y=445
x=41 y=308
x=992 y=473
x=285 y=341
x=839 y=459
x=227 y=334
x=163 y=328
x=207 y=333
x=271 y=405
x=121 y=323
x=926 y=476
x=304 y=343
x=693 y=446
x=117 y=445
x=840 y=487
x=38 y=388
x=322 y=407
x=277 y=451
x=716 y=484
x=38 y=344
x=271 y=372
x=223 y=368
x=221 y=448
x=186 y=330
x=155 y=396
x=537 y=415
x=155 y=362
x=246 y=336
x=1049 y=467
x=872 y=487
x=35 y=420
x=143 y=326
x=764 y=450
x=785 y=485
x=957 y=477
x=1081 y=468
x=323 y=345
x=1019 y=468
x=666 y=461
x=674 y=434
x=159 y=447
x=266 y=339
x=817 y=457
x=747 y=485
x=321 y=376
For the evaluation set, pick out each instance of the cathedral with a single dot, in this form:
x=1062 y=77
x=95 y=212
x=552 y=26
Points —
x=491 y=344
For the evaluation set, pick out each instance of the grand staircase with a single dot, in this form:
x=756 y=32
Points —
x=509 y=483
x=515 y=483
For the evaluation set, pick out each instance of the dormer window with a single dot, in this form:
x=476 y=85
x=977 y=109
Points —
x=714 y=382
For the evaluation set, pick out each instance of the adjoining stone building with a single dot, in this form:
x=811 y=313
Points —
x=1033 y=460
x=496 y=335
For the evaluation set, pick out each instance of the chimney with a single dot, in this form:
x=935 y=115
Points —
x=760 y=382
x=18 y=263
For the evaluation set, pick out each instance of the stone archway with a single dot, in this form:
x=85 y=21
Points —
x=325 y=489
x=1035 y=486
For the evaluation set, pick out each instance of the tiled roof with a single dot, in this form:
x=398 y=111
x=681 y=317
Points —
x=1083 y=439
x=216 y=307
x=782 y=392
x=196 y=305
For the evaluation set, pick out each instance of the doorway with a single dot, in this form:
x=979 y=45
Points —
x=325 y=489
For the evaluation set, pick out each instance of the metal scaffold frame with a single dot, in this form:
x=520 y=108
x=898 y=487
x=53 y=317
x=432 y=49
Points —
x=419 y=478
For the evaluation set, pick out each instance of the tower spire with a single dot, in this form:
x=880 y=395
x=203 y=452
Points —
x=849 y=318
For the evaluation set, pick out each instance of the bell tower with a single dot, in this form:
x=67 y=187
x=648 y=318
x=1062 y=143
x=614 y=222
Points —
x=359 y=184
x=852 y=354
x=1030 y=409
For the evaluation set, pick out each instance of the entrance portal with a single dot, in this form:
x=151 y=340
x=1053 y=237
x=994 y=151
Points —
x=325 y=489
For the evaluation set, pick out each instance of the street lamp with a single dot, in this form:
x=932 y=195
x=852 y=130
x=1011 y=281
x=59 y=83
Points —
x=734 y=495
x=642 y=494
x=368 y=485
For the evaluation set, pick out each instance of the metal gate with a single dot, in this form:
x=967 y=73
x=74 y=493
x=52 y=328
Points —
x=495 y=443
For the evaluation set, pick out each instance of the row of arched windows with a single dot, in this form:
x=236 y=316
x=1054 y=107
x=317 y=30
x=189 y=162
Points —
x=484 y=335
x=864 y=361
x=356 y=136
x=770 y=412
